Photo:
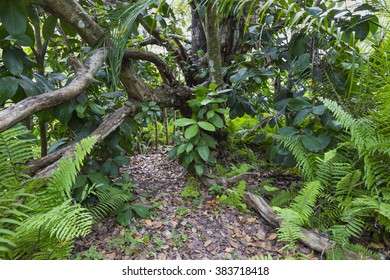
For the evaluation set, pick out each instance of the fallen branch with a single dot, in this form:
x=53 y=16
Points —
x=46 y=165
x=310 y=238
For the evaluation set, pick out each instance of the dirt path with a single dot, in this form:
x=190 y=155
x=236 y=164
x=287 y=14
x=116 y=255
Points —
x=178 y=228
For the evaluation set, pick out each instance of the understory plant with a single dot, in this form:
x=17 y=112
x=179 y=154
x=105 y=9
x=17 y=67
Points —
x=39 y=217
x=348 y=189
x=194 y=148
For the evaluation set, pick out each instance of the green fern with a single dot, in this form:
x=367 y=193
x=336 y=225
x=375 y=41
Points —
x=306 y=199
x=290 y=228
x=110 y=201
x=38 y=217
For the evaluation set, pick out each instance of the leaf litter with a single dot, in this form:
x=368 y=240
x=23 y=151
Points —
x=199 y=228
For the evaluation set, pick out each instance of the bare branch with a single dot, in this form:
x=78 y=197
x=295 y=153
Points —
x=27 y=107
x=162 y=67
x=46 y=165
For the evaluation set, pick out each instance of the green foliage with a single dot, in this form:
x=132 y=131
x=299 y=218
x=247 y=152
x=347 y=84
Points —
x=352 y=182
x=39 y=219
x=299 y=213
x=237 y=170
x=195 y=149
x=191 y=190
x=233 y=197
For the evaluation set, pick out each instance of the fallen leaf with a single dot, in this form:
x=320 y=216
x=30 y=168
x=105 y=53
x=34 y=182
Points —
x=229 y=250
x=208 y=242
x=238 y=233
x=168 y=234
x=260 y=236
x=215 y=251
x=233 y=244
x=377 y=246
x=273 y=236
x=157 y=224
x=149 y=223
x=110 y=256
x=311 y=256
x=250 y=220
x=247 y=238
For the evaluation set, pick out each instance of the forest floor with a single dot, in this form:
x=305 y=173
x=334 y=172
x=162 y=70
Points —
x=178 y=228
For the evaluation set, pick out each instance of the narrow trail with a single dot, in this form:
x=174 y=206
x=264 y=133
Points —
x=178 y=228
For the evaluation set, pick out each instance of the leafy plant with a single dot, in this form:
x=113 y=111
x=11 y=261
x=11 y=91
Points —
x=234 y=196
x=195 y=149
x=41 y=220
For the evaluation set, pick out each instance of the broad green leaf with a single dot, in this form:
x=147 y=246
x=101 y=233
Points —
x=99 y=179
x=209 y=140
x=181 y=149
x=189 y=148
x=141 y=210
x=64 y=111
x=191 y=131
x=188 y=159
x=124 y=218
x=311 y=143
x=204 y=152
x=57 y=145
x=13 y=60
x=184 y=122
x=29 y=87
x=80 y=109
x=334 y=125
x=121 y=160
x=217 y=121
x=48 y=27
x=206 y=126
x=172 y=153
x=210 y=114
x=199 y=169
x=8 y=87
x=13 y=15
x=324 y=140
x=222 y=111
x=21 y=39
x=362 y=29
x=297 y=104
x=319 y=110
x=97 y=109
x=288 y=131
x=301 y=116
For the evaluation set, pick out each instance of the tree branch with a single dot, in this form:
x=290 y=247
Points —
x=46 y=165
x=27 y=107
x=162 y=67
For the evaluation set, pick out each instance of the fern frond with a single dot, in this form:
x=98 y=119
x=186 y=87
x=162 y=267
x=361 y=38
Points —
x=346 y=185
x=110 y=201
x=306 y=199
x=64 y=222
x=64 y=177
x=306 y=161
x=283 y=198
x=289 y=230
